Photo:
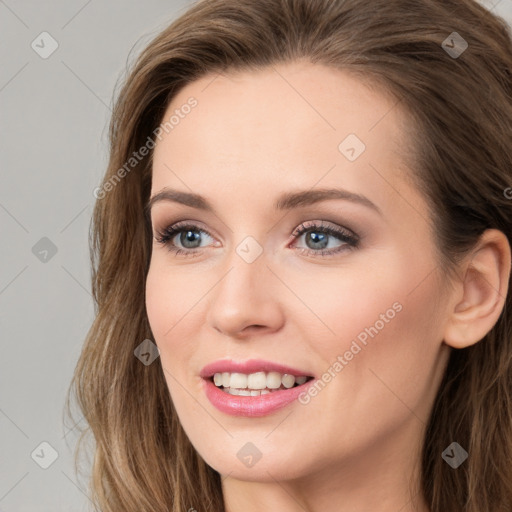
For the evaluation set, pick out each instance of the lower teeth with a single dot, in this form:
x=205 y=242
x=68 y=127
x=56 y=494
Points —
x=252 y=392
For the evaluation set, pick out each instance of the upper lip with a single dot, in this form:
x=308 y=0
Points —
x=249 y=366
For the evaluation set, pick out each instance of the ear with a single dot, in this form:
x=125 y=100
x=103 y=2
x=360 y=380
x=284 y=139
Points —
x=480 y=296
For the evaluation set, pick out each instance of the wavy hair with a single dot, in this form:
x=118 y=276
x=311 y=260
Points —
x=460 y=108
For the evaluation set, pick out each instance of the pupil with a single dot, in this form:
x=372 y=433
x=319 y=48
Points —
x=317 y=238
x=186 y=239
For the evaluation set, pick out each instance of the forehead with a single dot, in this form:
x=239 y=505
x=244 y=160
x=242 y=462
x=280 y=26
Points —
x=288 y=124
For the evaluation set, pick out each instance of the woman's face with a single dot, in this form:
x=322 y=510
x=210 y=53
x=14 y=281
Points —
x=360 y=308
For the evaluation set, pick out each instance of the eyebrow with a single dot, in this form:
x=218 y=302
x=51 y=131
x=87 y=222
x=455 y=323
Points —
x=287 y=201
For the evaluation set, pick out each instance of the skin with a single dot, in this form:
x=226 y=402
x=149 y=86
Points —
x=254 y=135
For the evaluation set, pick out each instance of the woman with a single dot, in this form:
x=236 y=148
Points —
x=301 y=263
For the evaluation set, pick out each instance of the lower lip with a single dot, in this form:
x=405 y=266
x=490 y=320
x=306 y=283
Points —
x=253 y=406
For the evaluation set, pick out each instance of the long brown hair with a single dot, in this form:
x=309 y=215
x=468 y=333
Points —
x=461 y=110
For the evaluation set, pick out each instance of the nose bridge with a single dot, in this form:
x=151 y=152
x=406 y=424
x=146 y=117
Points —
x=245 y=296
x=247 y=258
x=246 y=276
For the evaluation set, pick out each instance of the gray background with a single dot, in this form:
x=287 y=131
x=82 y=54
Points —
x=53 y=140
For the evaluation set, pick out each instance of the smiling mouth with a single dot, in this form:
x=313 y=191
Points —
x=256 y=384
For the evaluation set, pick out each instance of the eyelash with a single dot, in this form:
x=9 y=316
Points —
x=351 y=240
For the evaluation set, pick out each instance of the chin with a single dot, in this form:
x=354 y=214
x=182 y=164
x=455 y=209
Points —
x=269 y=467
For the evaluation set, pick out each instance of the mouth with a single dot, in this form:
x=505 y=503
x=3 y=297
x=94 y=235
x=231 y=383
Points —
x=254 y=387
x=256 y=384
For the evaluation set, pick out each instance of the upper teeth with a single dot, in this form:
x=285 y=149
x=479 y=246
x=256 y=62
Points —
x=258 y=380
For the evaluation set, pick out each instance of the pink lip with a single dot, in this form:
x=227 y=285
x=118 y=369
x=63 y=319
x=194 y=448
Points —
x=250 y=405
x=249 y=366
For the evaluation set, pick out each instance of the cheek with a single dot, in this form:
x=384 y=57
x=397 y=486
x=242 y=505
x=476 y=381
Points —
x=383 y=324
x=345 y=304
x=169 y=297
x=167 y=304
x=156 y=300
x=396 y=337
x=164 y=313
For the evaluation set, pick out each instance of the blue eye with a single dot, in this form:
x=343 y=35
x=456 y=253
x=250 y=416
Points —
x=317 y=234
x=188 y=234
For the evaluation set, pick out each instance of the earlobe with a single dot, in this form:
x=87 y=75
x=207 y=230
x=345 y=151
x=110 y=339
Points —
x=480 y=296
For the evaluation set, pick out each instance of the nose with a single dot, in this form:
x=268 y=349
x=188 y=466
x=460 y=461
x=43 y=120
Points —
x=246 y=299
